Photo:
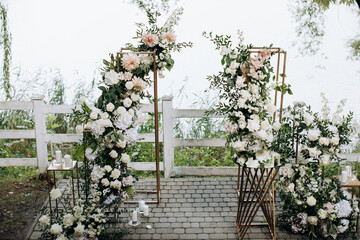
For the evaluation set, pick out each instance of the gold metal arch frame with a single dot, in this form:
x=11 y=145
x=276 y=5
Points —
x=255 y=187
x=156 y=111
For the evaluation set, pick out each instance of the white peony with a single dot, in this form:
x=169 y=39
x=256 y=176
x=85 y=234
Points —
x=110 y=107
x=127 y=102
x=135 y=97
x=251 y=163
x=253 y=125
x=56 y=229
x=311 y=201
x=286 y=171
x=55 y=194
x=68 y=220
x=277 y=126
x=125 y=158
x=121 y=144
x=115 y=174
x=265 y=125
x=323 y=141
x=116 y=184
x=113 y=154
x=313 y=220
x=290 y=187
x=129 y=85
x=105 y=182
x=44 y=220
x=79 y=129
x=314 y=134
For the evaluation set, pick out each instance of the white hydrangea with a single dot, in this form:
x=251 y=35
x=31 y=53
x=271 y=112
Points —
x=343 y=208
x=111 y=78
x=131 y=135
x=97 y=173
x=124 y=121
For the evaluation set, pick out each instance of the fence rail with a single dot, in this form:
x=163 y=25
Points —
x=42 y=138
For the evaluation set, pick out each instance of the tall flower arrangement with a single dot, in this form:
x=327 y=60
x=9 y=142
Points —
x=243 y=87
x=112 y=123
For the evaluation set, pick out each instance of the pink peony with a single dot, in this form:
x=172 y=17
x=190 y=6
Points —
x=130 y=61
x=169 y=37
x=150 y=39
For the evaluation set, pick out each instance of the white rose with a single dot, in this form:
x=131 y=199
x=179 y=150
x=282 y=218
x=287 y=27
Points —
x=277 y=126
x=105 y=182
x=251 y=163
x=134 y=97
x=308 y=119
x=113 y=154
x=88 y=125
x=314 y=152
x=68 y=220
x=129 y=85
x=115 y=174
x=93 y=115
x=314 y=134
x=116 y=184
x=325 y=159
x=107 y=168
x=234 y=65
x=125 y=158
x=253 y=125
x=334 y=141
x=82 y=100
x=79 y=129
x=62 y=237
x=127 y=102
x=324 y=141
x=262 y=134
x=55 y=194
x=241 y=160
x=44 y=220
x=110 y=107
x=313 y=220
x=265 y=125
x=290 y=188
x=121 y=110
x=311 y=201
x=79 y=230
x=56 y=229
x=224 y=50
x=262 y=155
x=271 y=108
x=104 y=115
x=240 y=81
x=121 y=144
x=131 y=112
x=322 y=213
x=239 y=146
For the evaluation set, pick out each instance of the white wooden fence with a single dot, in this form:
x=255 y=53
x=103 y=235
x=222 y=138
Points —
x=166 y=136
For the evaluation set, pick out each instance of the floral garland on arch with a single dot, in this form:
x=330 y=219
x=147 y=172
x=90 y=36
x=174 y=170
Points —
x=112 y=124
x=244 y=86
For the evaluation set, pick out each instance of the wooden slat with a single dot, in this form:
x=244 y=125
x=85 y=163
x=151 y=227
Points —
x=192 y=113
x=212 y=142
x=206 y=171
x=17 y=134
x=18 y=162
x=12 y=105
x=145 y=166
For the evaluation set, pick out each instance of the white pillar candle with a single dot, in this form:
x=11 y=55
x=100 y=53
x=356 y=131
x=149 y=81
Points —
x=134 y=216
x=146 y=210
x=141 y=205
x=67 y=161
x=58 y=156
x=348 y=170
x=344 y=176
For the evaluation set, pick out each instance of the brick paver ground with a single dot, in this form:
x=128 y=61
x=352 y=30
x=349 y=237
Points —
x=193 y=208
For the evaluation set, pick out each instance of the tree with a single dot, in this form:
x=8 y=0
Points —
x=310 y=30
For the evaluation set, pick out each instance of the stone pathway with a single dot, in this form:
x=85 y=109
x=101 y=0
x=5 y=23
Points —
x=192 y=208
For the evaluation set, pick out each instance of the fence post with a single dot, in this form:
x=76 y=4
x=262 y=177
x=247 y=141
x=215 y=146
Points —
x=40 y=132
x=168 y=135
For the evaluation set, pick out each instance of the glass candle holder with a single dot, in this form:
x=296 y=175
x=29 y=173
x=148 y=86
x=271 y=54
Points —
x=66 y=152
x=134 y=218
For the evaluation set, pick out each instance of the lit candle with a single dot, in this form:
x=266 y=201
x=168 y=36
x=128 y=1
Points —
x=146 y=210
x=344 y=176
x=58 y=156
x=67 y=161
x=134 y=216
x=141 y=205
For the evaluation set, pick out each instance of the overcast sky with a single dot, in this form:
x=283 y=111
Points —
x=75 y=36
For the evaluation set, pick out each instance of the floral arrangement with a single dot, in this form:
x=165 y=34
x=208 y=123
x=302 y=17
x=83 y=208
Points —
x=112 y=125
x=313 y=205
x=244 y=87
x=319 y=137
